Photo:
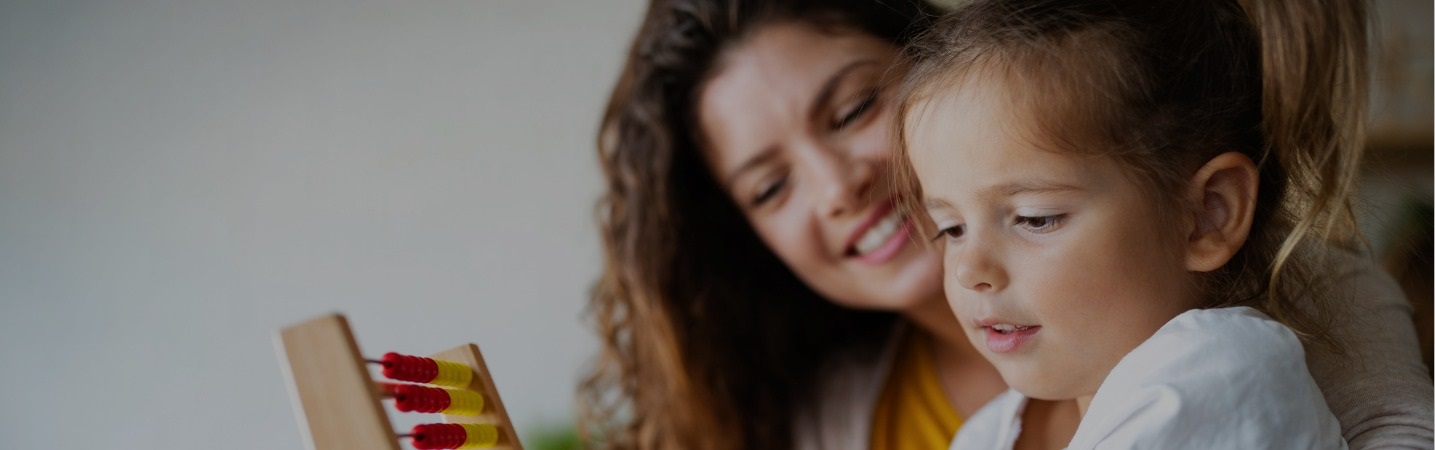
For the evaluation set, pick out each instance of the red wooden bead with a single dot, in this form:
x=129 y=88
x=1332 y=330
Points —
x=438 y=436
x=409 y=368
x=414 y=398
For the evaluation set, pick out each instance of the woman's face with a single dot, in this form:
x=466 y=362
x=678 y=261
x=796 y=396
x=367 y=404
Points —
x=797 y=128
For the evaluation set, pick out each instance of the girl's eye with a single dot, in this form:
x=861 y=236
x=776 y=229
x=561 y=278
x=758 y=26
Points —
x=769 y=191
x=1040 y=224
x=952 y=232
x=856 y=112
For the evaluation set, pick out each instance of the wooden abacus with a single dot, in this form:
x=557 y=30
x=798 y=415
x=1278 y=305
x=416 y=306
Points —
x=339 y=405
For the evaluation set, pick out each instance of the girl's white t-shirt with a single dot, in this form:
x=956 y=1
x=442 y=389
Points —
x=1226 y=378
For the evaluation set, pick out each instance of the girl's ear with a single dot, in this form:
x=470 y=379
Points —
x=1224 y=192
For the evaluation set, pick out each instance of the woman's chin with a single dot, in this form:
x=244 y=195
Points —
x=908 y=290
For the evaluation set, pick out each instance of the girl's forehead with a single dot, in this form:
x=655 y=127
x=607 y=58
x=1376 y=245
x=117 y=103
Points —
x=965 y=138
x=972 y=112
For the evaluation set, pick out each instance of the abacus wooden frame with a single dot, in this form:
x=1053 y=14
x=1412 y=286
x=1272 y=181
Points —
x=339 y=405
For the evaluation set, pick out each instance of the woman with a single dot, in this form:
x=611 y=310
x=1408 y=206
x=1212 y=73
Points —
x=760 y=292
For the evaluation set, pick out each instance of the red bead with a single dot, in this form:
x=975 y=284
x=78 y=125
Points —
x=415 y=398
x=409 y=368
x=438 y=436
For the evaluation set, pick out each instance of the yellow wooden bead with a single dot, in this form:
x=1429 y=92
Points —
x=452 y=374
x=464 y=403
x=480 y=435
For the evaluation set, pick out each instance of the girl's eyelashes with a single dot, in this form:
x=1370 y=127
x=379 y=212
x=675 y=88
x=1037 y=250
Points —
x=951 y=232
x=856 y=112
x=1040 y=224
x=1034 y=224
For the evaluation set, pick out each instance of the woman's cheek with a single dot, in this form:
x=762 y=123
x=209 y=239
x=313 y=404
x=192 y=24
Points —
x=784 y=233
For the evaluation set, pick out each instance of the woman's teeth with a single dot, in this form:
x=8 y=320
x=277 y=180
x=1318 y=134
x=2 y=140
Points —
x=879 y=233
x=1007 y=328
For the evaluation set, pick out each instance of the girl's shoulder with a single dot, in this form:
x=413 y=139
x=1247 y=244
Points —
x=1219 y=354
x=1212 y=378
x=995 y=426
x=1236 y=332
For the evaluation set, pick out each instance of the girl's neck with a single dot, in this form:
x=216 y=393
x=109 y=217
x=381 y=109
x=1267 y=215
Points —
x=1081 y=404
x=1048 y=425
x=968 y=380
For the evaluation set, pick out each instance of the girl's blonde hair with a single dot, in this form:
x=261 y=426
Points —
x=1163 y=86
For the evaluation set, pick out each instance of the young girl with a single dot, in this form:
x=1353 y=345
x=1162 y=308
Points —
x=1122 y=227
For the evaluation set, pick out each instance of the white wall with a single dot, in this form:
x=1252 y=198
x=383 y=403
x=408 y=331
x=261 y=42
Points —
x=181 y=178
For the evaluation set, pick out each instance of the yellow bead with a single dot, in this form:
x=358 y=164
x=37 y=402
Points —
x=452 y=374
x=463 y=403
x=480 y=435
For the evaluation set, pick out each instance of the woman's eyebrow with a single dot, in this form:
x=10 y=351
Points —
x=824 y=95
x=756 y=160
x=829 y=88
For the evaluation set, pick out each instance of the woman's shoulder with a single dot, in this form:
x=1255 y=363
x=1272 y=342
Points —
x=1351 y=281
x=1377 y=384
x=839 y=415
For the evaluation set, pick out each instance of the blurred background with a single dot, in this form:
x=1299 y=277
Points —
x=179 y=179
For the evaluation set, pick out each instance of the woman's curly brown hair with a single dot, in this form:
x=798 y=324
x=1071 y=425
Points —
x=708 y=340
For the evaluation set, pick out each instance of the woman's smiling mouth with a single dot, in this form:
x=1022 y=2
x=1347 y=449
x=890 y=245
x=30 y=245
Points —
x=883 y=235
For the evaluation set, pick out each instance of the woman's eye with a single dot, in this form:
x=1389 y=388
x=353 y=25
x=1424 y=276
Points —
x=1040 y=224
x=857 y=111
x=952 y=232
x=769 y=191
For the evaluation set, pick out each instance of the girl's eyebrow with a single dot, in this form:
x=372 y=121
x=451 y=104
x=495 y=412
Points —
x=1026 y=187
x=935 y=203
x=1008 y=190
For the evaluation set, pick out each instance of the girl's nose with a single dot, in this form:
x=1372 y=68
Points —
x=977 y=268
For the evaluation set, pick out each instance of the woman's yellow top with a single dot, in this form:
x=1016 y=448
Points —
x=913 y=411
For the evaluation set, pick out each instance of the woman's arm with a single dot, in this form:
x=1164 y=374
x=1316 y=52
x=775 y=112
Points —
x=1379 y=389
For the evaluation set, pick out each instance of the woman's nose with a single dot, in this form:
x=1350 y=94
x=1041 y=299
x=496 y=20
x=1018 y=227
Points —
x=842 y=184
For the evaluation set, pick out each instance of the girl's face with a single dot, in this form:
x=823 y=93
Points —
x=1056 y=264
x=797 y=129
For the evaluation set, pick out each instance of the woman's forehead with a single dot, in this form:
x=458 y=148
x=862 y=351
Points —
x=798 y=51
x=769 y=85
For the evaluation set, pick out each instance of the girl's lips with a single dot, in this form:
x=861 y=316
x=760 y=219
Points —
x=1000 y=342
